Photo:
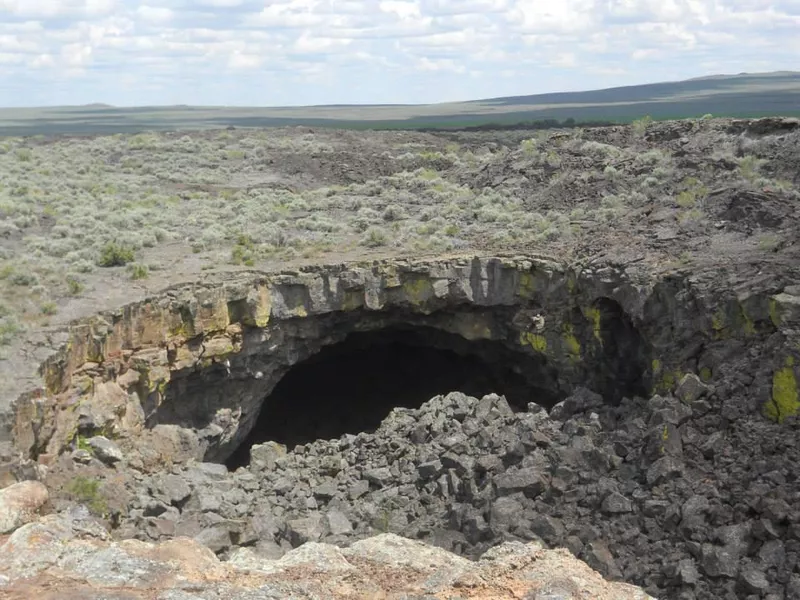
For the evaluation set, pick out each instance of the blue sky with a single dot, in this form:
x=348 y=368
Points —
x=298 y=52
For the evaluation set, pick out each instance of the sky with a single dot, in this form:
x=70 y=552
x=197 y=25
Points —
x=306 y=52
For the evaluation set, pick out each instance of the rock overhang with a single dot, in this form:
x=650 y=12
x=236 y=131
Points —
x=214 y=351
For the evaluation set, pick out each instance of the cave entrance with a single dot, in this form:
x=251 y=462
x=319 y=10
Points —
x=352 y=386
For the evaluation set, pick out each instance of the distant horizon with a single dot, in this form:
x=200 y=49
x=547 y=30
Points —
x=301 y=53
x=100 y=105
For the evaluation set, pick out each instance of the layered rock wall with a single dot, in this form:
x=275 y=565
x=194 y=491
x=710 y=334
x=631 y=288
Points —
x=204 y=357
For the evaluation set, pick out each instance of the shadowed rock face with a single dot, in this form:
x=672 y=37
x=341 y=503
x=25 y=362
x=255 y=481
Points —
x=207 y=358
x=352 y=386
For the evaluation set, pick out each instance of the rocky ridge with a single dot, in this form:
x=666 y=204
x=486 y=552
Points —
x=70 y=557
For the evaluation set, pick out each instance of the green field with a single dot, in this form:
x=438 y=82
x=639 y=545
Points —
x=746 y=95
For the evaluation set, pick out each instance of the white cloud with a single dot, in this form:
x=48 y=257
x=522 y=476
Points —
x=155 y=14
x=309 y=44
x=238 y=60
x=567 y=60
x=404 y=9
x=566 y=16
x=464 y=7
x=375 y=50
x=220 y=3
x=57 y=8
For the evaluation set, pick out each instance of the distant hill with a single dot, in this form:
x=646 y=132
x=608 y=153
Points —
x=742 y=95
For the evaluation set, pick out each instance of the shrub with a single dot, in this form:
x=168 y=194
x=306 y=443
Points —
x=640 y=126
x=374 y=238
x=115 y=255
x=74 y=285
x=748 y=167
x=529 y=147
x=393 y=212
x=769 y=242
x=452 y=229
x=24 y=279
x=138 y=271
x=87 y=491
x=694 y=191
x=9 y=328
x=49 y=308
x=243 y=252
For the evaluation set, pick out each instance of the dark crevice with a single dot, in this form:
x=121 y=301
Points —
x=618 y=364
x=352 y=386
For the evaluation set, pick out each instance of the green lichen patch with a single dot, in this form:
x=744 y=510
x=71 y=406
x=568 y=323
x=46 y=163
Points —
x=418 y=290
x=526 y=286
x=571 y=343
x=785 y=401
x=592 y=313
x=664 y=380
x=353 y=299
x=534 y=340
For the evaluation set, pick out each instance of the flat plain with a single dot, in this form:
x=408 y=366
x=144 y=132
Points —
x=88 y=223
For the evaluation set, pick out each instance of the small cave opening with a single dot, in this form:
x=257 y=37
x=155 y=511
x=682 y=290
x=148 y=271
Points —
x=351 y=386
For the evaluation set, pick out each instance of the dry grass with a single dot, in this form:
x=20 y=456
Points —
x=74 y=212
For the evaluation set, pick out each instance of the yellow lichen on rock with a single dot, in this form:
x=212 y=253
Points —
x=748 y=326
x=353 y=299
x=527 y=285
x=774 y=312
x=784 y=402
x=417 y=290
x=263 y=307
x=472 y=327
x=664 y=380
x=593 y=314
x=534 y=340
x=212 y=314
x=718 y=323
x=571 y=343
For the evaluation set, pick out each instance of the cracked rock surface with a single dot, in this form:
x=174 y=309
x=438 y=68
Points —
x=70 y=557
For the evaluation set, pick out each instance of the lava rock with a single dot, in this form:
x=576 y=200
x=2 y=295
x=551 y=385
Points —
x=216 y=538
x=20 y=503
x=581 y=400
x=686 y=572
x=548 y=528
x=505 y=513
x=753 y=581
x=664 y=469
x=173 y=488
x=717 y=561
x=308 y=529
x=106 y=450
x=337 y=522
x=615 y=503
x=598 y=556
x=691 y=388
x=430 y=470
x=529 y=481
x=263 y=456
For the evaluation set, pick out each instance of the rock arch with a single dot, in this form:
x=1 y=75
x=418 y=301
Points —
x=185 y=372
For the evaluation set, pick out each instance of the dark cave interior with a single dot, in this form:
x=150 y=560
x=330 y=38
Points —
x=352 y=386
